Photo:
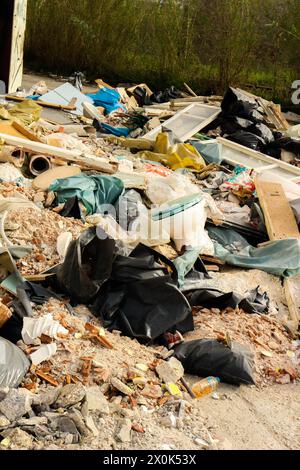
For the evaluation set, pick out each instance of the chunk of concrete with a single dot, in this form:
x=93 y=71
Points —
x=70 y=395
x=4 y=422
x=119 y=385
x=19 y=439
x=96 y=401
x=16 y=403
x=170 y=371
x=124 y=432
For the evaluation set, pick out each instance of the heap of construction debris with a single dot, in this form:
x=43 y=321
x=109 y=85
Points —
x=121 y=213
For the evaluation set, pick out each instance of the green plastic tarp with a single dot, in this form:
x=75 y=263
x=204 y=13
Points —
x=92 y=191
x=279 y=257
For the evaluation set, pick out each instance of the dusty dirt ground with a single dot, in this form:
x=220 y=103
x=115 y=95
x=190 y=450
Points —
x=244 y=418
x=30 y=79
x=247 y=419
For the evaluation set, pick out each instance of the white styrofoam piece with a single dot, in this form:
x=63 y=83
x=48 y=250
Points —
x=44 y=353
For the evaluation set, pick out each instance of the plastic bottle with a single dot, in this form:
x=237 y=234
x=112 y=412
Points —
x=205 y=386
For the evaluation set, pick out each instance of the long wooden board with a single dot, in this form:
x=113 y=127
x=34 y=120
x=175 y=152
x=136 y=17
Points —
x=279 y=217
x=74 y=156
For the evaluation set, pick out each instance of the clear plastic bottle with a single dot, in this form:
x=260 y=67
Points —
x=205 y=386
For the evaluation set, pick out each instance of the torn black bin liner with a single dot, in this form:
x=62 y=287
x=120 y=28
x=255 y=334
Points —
x=254 y=302
x=144 y=309
x=87 y=265
x=141 y=300
x=206 y=357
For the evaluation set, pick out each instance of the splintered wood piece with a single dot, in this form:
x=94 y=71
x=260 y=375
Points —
x=47 y=378
x=100 y=339
x=25 y=131
x=92 y=328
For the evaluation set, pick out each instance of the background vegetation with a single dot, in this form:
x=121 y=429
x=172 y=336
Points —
x=207 y=43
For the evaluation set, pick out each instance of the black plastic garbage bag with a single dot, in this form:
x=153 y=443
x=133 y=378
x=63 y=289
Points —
x=236 y=103
x=253 y=302
x=166 y=95
x=248 y=139
x=206 y=357
x=142 y=96
x=13 y=364
x=284 y=143
x=87 y=265
x=72 y=209
x=144 y=309
x=11 y=330
x=261 y=130
x=232 y=124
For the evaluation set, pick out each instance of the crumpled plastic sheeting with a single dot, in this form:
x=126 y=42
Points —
x=107 y=98
x=205 y=357
x=27 y=112
x=87 y=265
x=133 y=294
x=92 y=191
x=252 y=302
x=13 y=365
x=280 y=257
x=210 y=152
x=174 y=156
x=144 y=309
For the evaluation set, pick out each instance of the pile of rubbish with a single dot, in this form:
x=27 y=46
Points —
x=116 y=207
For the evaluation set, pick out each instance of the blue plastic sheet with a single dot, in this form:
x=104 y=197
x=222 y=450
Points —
x=117 y=131
x=107 y=99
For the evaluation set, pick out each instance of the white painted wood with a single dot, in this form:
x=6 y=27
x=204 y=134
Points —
x=187 y=122
x=17 y=48
x=237 y=154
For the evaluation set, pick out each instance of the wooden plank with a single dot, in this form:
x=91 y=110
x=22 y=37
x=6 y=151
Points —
x=191 y=92
x=25 y=132
x=18 y=37
x=41 y=103
x=74 y=156
x=279 y=217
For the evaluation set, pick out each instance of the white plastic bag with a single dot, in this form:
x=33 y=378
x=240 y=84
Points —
x=13 y=364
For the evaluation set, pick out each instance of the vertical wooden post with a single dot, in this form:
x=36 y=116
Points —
x=12 y=36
